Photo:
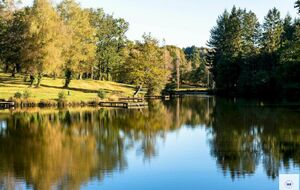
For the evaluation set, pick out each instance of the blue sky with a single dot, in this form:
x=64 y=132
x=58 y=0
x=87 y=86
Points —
x=180 y=22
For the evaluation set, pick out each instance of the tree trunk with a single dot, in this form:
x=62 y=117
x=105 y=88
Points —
x=92 y=73
x=138 y=89
x=13 y=73
x=99 y=72
x=80 y=76
x=25 y=78
x=6 y=68
x=68 y=75
x=39 y=80
x=31 y=80
x=178 y=73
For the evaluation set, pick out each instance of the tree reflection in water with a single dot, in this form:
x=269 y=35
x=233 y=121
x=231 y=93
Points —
x=245 y=134
x=64 y=149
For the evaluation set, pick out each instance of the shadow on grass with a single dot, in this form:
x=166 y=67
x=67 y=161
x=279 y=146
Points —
x=10 y=80
x=80 y=89
x=124 y=86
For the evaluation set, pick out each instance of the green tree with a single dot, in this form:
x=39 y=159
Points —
x=288 y=29
x=227 y=41
x=193 y=55
x=289 y=68
x=271 y=43
x=145 y=65
x=272 y=31
x=111 y=40
x=297 y=5
x=178 y=65
x=197 y=57
x=12 y=32
x=246 y=54
x=251 y=33
x=80 y=53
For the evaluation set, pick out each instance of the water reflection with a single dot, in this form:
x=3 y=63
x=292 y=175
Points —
x=245 y=135
x=63 y=149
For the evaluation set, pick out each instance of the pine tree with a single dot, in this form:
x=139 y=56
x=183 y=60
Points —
x=288 y=29
x=289 y=68
x=297 y=5
x=227 y=42
x=250 y=50
x=272 y=31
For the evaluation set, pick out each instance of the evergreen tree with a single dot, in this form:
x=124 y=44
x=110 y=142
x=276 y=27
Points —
x=250 y=49
x=297 y=5
x=288 y=29
x=193 y=55
x=272 y=31
x=199 y=72
x=227 y=42
x=289 y=69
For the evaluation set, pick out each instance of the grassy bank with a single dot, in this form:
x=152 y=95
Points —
x=80 y=90
x=186 y=87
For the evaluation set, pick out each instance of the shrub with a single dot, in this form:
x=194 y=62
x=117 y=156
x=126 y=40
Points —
x=62 y=96
x=26 y=94
x=113 y=98
x=18 y=95
x=101 y=94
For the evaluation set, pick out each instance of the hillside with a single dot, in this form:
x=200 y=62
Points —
x=79 y=90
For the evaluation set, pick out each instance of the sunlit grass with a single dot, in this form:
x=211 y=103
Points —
x=80 y=90
x=185 y=87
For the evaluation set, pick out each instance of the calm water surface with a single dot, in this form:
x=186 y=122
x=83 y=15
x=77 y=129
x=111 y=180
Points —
x=189 y=143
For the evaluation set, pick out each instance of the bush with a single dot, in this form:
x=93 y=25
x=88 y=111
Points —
x=18 y=95
x=27 y=94
x=101 y=94
x=62 y=96
x=113 y=98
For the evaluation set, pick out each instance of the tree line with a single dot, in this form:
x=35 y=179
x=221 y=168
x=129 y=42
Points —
x=71 y=42
x=253 y=58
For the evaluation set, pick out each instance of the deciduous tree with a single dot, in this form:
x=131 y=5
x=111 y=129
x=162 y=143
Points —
x=145 y=65
x=42 y=52
x=80 y=53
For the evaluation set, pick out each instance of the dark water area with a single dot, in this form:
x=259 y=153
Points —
x=196 y=142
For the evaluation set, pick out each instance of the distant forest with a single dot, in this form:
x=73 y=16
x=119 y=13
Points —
x=71 y=42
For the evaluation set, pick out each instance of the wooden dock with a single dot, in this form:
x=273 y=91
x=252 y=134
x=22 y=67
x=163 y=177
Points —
x=166 y=97
x=127 y=105
x=6 y=105
x=132 y=99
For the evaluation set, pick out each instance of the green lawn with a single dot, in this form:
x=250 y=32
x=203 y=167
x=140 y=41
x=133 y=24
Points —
x=80 y=90
x=185 y=87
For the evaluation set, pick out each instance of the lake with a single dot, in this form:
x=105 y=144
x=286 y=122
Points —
x=196 y=142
